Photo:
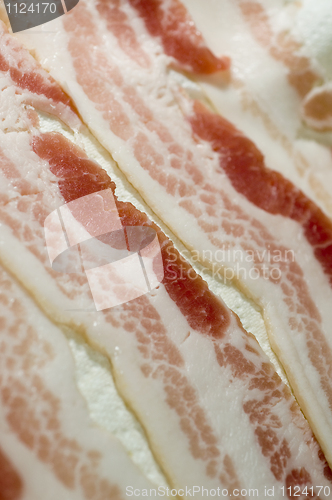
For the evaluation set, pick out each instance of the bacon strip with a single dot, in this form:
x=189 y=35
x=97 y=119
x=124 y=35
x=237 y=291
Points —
x=31 y=82
x=268 y=190
x=303 y=72
x=168 y=172
x=180 y=39
x=45 y=428
x=281 y=46
x=276 y=87
x=44 y=420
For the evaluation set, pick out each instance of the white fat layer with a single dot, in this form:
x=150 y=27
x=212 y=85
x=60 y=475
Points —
x=107 y=408
x=313 y=26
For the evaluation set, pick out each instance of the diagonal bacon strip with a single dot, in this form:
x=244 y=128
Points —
x=45 y=425
x=35 y=86
x=282 y=47
x=293 y=290
x=279 y=88
x=268 y=190
x=180 y=38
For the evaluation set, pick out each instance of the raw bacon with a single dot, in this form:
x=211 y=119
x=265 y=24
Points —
x=171 y=22
x=268 y=190
x=278 y=87
x=33 y=85
x=41 y=455
x=154 y=358
x=49 y=446
x=159 y=345
x=304 y=74
x=282 y=47
x=144 y=121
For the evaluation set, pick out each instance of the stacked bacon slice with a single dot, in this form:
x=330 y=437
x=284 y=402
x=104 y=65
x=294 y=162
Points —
x=215 y=412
